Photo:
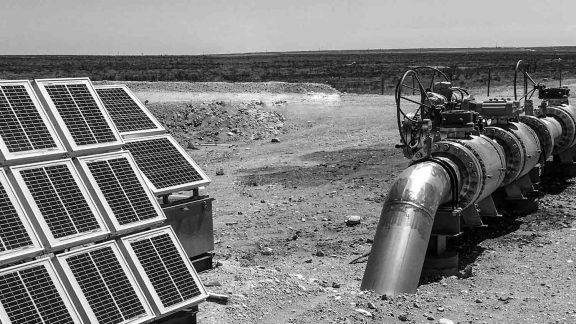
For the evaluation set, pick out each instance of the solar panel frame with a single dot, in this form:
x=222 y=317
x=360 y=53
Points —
x=35 y=248
x=7 y=157
x=80 y=295
x=158 y=129
x=58 y=285
x=51 y=242
x=105 y=205
x=152 y=294
x=75 y=149
x=179 y=187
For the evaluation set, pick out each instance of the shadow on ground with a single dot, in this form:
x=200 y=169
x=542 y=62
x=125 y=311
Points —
x=359 y=166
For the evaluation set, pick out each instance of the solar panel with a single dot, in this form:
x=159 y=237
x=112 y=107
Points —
x=104 y=285
x=122 y=191
x=17 y=238
x=79 y=113
x=127 y=112
x=61 y=203
x=166 y=166
x=165 y=269
x=33 y=293
x=25 y=129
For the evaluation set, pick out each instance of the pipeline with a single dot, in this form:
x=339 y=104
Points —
x=405 y=226
x=497 y=158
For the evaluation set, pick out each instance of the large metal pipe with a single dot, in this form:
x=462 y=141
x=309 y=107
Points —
x=405 y=226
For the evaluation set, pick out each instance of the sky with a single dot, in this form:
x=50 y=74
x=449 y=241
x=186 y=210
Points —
x=179 y=27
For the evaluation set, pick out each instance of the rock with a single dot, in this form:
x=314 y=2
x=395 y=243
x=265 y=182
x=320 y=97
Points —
x=212 y=284
x=445 y=321
x=275 y=140
x=308 y=261
x=266 y=251
x=319 y=253
x=353 y=220
x=364 y=312
x=478 y=300
x=335 y=285
x=220 y=172
x=191 y=146
x=218 y=298
x=403 y=317
x=371 y=305
x=440 y=309
x=466 y=272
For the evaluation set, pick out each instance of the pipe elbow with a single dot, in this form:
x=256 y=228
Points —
x=404 y=229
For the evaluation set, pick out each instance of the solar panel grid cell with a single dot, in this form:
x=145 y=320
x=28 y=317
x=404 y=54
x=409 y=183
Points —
x=60 y=201
x=73 y=119
x=122 y=190
x=162 y=163
x=173 y=261
x=125 y=113
x=21 y=126
x=45 y=295
x=89 y=108
x=157 y=273
x=13 y=234
x=164 y=266
x=30 y=296
x=80 y=113
x=105 y=286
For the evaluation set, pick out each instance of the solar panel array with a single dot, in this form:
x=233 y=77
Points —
x=32 y=293
x=127 y=112
x=25 y=130
x=60 y=202
x=123 y=192
x=104 y=285
x=165 y=268
x=165 y=164
x=79 y=112
x=17 y=238
x=48 y=204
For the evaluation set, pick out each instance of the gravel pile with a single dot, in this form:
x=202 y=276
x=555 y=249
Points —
x=218 y=121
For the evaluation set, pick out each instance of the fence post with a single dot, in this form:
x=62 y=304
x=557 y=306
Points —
x=489 y=78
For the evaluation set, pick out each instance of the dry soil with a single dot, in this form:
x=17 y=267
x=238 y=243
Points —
x=283 y=250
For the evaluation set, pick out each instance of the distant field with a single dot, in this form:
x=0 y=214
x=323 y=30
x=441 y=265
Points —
x=347 y=71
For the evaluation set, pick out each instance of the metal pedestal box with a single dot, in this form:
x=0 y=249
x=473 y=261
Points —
x=192 y=222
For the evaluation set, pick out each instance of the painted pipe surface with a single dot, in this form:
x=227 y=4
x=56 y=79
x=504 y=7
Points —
x=404 y=229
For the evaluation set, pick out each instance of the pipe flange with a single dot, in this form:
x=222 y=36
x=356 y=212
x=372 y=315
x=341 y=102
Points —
x=568 y=128
x=480 y=161
x=469 y=166
x=513 y=150
x=544 y=136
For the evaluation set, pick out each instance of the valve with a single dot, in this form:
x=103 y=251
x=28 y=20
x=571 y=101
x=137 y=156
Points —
x=419 y=108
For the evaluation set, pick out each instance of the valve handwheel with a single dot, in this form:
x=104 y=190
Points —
x=414 y=107
x=521 y=67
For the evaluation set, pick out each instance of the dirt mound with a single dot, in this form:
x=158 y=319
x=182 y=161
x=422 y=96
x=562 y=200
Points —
x=218 y=121
x=229 y=87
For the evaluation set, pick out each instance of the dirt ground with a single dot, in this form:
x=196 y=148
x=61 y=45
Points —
x=283 y=250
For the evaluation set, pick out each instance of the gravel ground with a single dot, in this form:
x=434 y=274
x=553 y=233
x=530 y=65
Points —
x=283 y=250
